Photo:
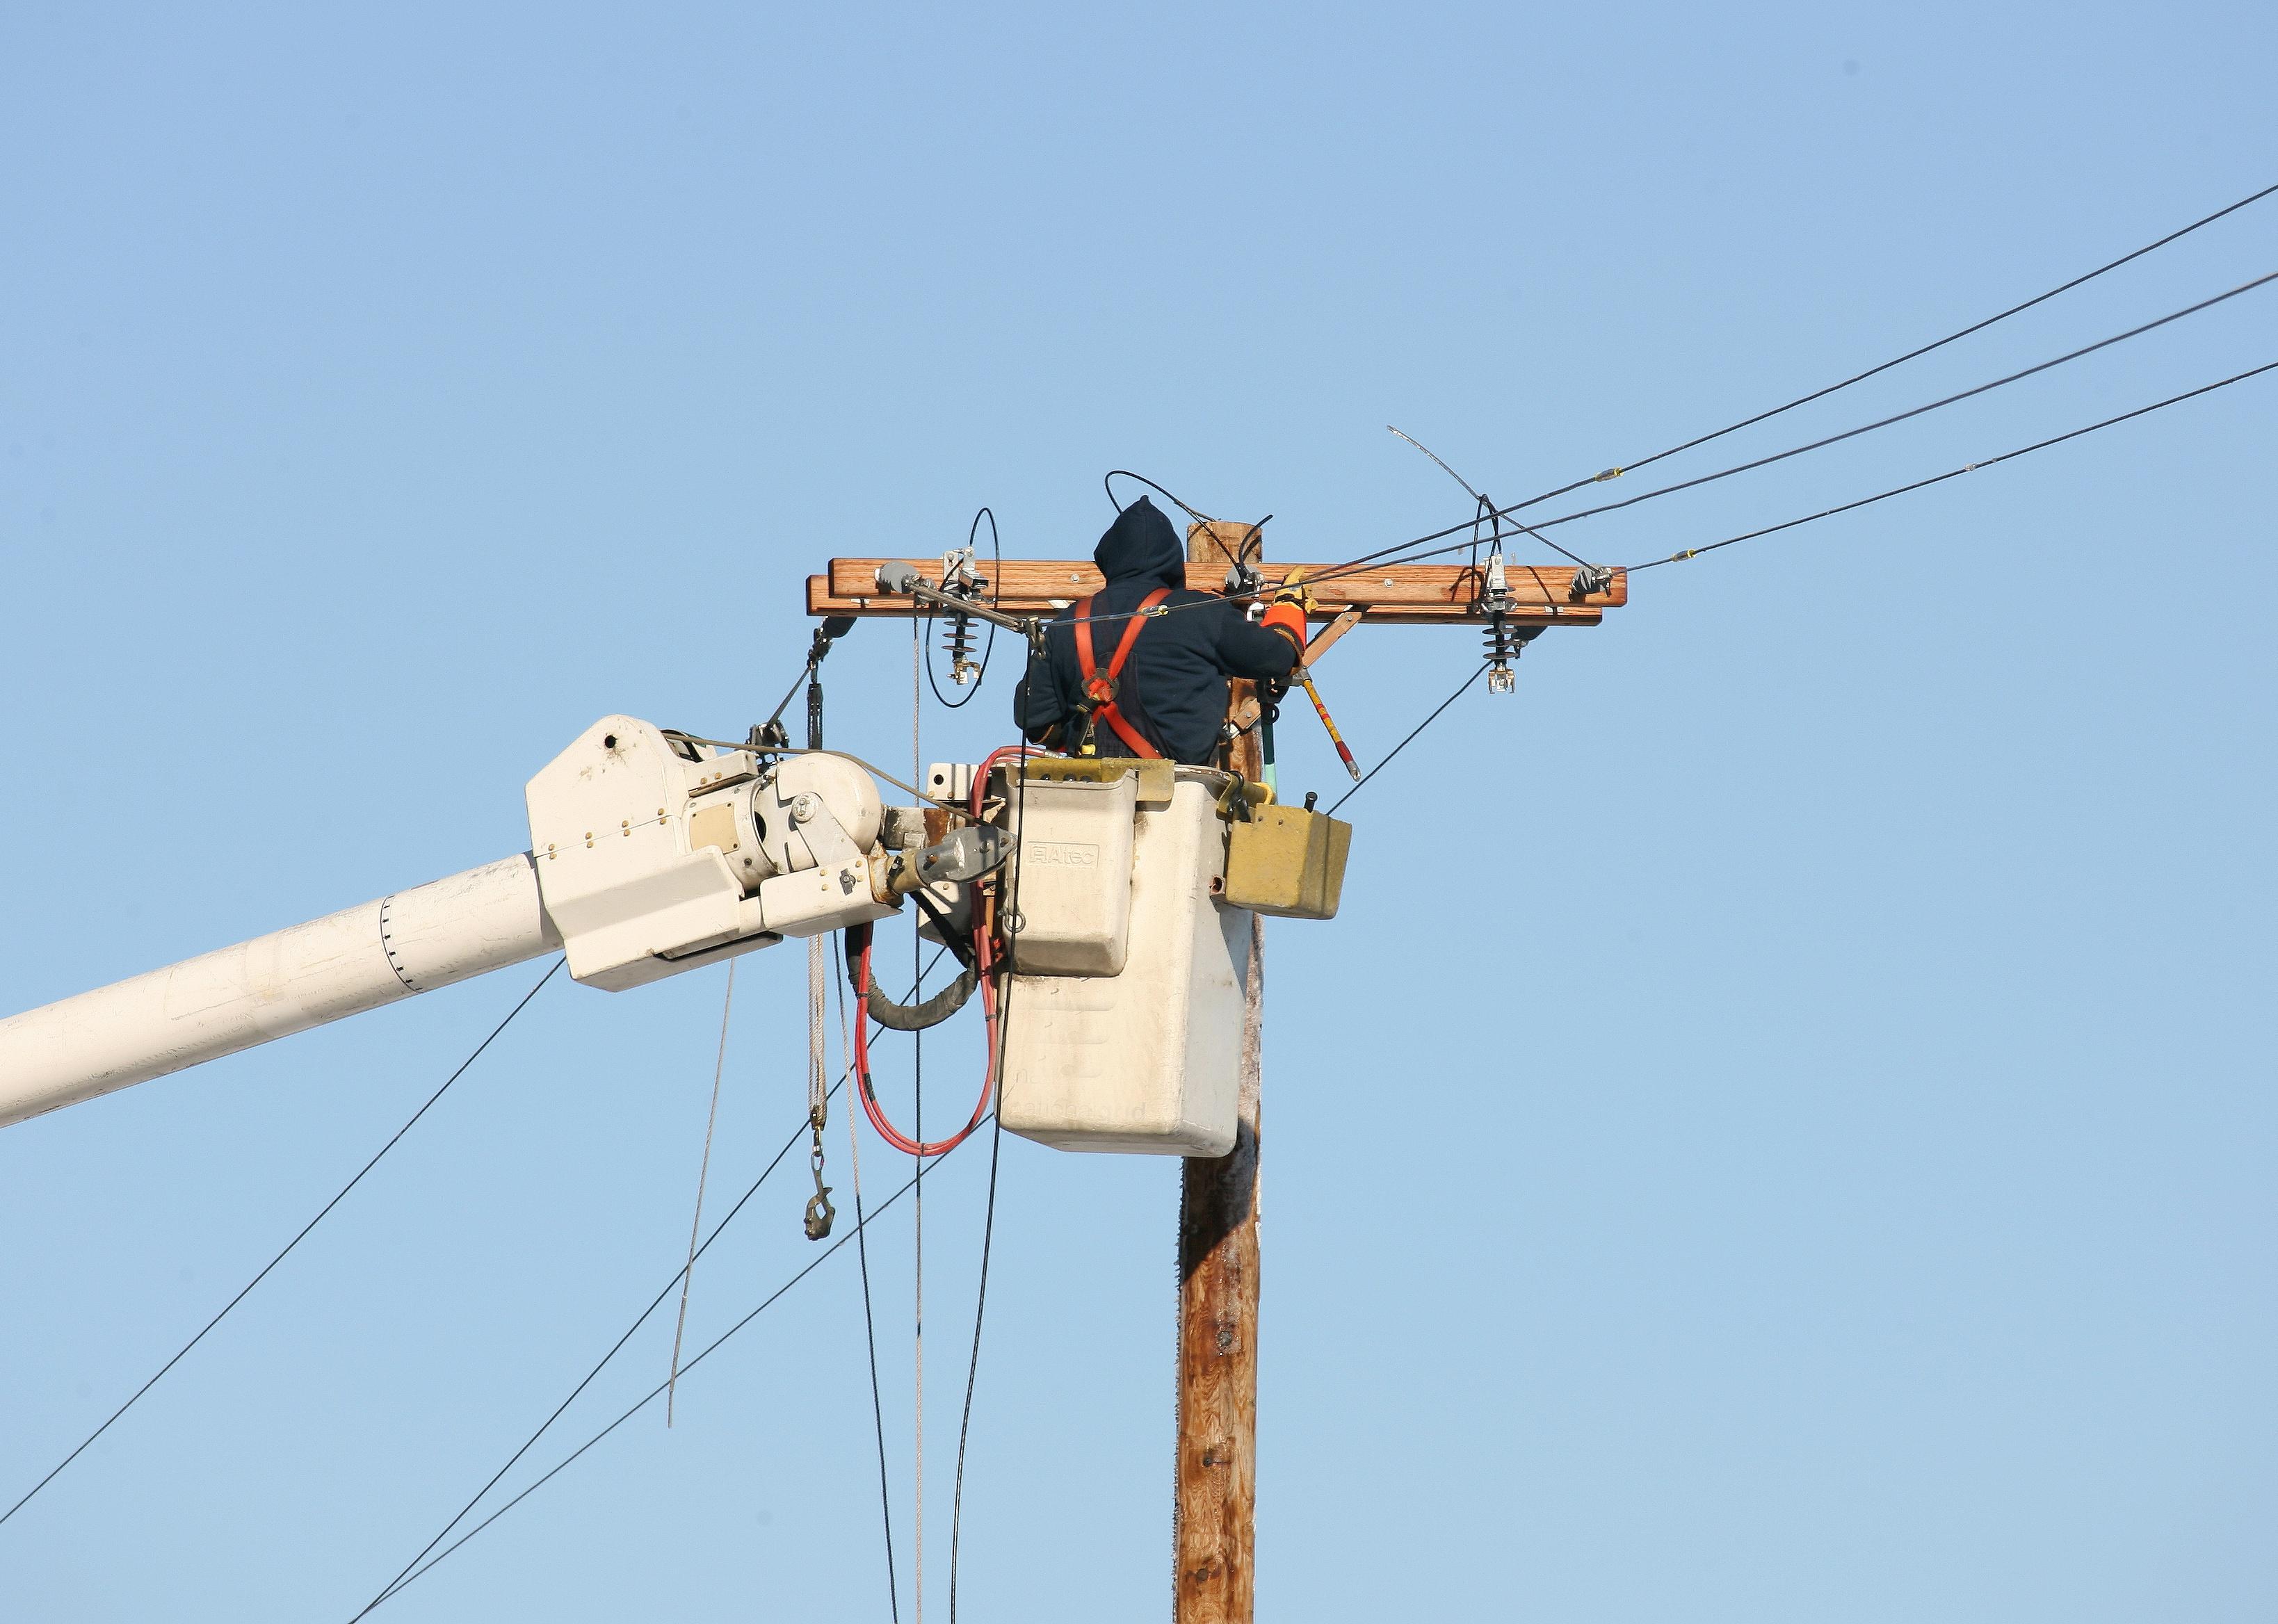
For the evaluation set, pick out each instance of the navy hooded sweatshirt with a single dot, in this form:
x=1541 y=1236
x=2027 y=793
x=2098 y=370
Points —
x=1172 y=689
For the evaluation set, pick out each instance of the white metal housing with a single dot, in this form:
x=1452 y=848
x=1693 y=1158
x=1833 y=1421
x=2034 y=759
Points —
x=651 y=863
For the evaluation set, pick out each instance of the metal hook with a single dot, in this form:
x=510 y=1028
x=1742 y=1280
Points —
x=820 y=1212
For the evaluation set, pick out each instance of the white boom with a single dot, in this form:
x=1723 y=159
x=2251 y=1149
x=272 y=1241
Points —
x=218 y=1003
x=648 y=858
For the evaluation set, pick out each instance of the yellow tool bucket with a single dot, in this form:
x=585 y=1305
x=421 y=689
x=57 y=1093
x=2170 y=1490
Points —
x=1288 y=862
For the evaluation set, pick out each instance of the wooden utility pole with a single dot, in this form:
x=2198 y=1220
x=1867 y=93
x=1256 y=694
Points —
x=1215 y=1533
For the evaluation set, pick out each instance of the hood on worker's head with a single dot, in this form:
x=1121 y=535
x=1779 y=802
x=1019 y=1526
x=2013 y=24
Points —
x=1142 y=545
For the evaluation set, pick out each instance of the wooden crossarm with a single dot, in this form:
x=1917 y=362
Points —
x=1392 y=594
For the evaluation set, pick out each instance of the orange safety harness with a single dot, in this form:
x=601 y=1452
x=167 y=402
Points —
x=1098 y=704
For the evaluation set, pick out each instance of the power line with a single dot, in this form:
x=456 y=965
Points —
x=869 y=1320
x=652 y=1396
x=1404 y=744
x=1885 y=423
x=401 y=1579
x=1966 y=467
x=1386 y=555
x=1405 y=551
x=528 y=1444
x=321 y=1213
x=1860 y=377
x=988 y=1212
x=972 y=1366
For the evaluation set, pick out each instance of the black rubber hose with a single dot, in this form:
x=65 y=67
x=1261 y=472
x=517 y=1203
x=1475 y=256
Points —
x=907 y=1016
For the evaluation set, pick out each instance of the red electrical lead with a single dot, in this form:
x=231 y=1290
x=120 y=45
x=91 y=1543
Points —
x=983 y=964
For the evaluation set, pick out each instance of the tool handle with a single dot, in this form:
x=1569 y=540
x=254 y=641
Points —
x=1335 y=738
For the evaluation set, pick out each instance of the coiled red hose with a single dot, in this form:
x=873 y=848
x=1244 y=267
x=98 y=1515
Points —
x=984 y=963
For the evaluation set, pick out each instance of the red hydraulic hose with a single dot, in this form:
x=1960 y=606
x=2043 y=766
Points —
x=984 y=964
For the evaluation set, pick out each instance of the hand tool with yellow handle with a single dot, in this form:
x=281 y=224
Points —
x=1294 y=598
x=1335 y=738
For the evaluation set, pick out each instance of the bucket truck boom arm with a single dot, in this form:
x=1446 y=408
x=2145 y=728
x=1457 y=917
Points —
x=647 y=856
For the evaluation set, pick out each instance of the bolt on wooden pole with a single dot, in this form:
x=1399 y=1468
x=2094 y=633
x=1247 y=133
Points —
x=1214 y=1536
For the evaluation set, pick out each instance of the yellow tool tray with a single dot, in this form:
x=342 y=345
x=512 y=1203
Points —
x=1288 y=862
x=1156 y=777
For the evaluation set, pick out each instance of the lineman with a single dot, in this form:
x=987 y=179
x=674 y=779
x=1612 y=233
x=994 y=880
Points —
x=1118 y=680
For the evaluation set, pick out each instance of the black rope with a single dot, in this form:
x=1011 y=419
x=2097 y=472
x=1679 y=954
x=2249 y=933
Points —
x=1966 y=467
x=653 y=1394
x=289 y=1245
x=1404 y=744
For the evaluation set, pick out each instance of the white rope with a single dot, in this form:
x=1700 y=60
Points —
x=703 y=1171
x=818 y=1086
x=853 y=1140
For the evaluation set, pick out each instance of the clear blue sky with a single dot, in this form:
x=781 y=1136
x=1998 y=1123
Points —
x=1783 y=1127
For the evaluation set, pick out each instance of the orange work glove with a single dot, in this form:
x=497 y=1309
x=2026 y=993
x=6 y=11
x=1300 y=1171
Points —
x=1289 y=621
x=1287 y=614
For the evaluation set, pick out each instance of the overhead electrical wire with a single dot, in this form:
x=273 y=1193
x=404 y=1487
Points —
x=989 y=1211
x=1690 y=552
x=1387 y=555
x=321 y=1213
x=421 y=1570
x=1405 y=551
x=1237 y=557
x=404 y=1573
x=869 y=1319
x=1885 y=423
x=1476 y=671
x=528 y=1444
x=1912 y=354
x=1684 y=553
x=1966 y=467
